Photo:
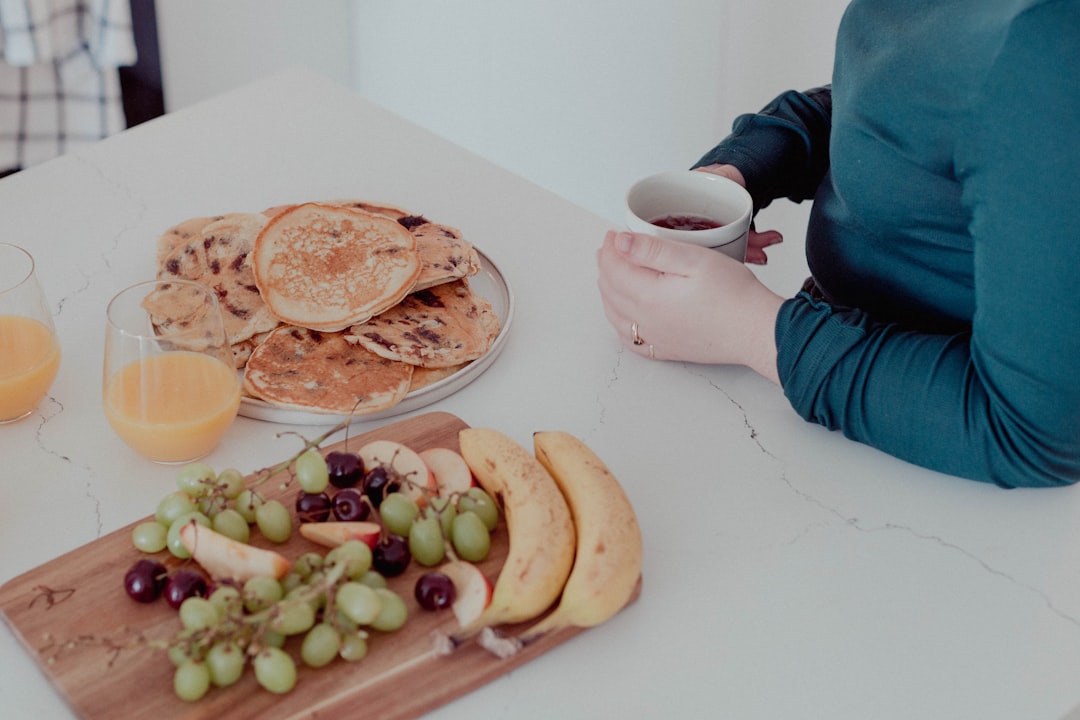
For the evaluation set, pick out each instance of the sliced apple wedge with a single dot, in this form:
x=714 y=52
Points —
x=450 y=472
x=225 y=558
x=473 y=591
x=331 y=534
x=404 y=465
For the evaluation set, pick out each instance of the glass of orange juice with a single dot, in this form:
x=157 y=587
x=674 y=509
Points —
x=170 y=387
x=29 y=348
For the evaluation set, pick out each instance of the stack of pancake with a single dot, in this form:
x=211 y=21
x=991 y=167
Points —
x=339 y=307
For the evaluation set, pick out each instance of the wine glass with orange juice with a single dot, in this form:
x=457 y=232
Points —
x=29 y=348
x=170 y=387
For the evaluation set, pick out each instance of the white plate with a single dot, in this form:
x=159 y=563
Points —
x=490 y=284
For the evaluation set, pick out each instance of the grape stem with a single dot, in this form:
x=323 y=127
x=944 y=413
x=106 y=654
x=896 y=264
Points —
x=266 y=473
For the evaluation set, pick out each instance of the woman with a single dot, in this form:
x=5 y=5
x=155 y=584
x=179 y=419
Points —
x=942 y=321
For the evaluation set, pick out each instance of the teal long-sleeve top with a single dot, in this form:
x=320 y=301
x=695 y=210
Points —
x=944 y=167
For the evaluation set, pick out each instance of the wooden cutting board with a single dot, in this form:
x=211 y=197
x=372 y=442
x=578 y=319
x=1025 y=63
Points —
x=74 y=618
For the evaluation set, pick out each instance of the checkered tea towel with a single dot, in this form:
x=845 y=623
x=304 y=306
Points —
x=59 y=86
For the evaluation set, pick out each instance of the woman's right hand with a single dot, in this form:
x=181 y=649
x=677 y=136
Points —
x=756 y=242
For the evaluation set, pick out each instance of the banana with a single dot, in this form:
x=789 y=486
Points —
x=608 y=559
x=539 y=525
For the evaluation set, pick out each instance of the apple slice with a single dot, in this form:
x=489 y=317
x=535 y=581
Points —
x=331 y=534
x=450 y=472
x=473 y=591
x=222 y=557
x=404 y=466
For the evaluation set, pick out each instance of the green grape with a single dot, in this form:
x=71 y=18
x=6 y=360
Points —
x=358 y=602
x=353 y=646
x=471 y=538
x=247 y=503
x=355 y=553
x=191 y=680
x=316 y=578
x=311 y=471
x=198 y=613
x=478 y=501
x=426 y=542
x=179 y=654
x=397 y=512
x=182 y=649
x=342 y=622
x=260 y=592
x=196 y=479
x=150 y=536
x=274 y=521
x=273 y=639
x=307 y=564
x=291 y=582
x=211 y=505
x=231 y=483
x=303 y=593
x=392 y=611
x=275 y=670
x=232 y=524
x=373 y=579
x=226 y=599
x=172 y=537
x=321 y=645
x=293 y=617
x=226 y=663
x=447 y=512
x=173 y=506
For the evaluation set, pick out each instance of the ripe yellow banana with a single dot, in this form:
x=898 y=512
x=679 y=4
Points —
x=539 y=525
x=609 y=547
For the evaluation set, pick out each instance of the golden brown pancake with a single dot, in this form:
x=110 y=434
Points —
x=422 y=376
x=445 y=255
x=438 y=327
x=391 y=211
x=320 y=372
x=326 y=268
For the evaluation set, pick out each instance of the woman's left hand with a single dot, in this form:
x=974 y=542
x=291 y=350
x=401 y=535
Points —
x=675 y=301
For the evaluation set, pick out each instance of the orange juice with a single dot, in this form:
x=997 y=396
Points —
x=173 y=407
x=29 y=359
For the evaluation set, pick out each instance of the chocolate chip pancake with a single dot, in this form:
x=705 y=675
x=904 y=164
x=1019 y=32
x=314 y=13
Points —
x=218 y=256
x=180 y=233
x=445 y=254
x=320 y=372
x=175 y=310
x=326 y=268
x=438 y=327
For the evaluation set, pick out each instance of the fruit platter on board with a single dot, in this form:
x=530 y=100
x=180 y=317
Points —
x=425 y=548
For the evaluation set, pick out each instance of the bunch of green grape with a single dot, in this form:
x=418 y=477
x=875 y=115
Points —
x=331 y=601
x=460 y=525
x=218 y=501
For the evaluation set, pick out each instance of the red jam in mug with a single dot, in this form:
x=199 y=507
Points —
x=685 y=222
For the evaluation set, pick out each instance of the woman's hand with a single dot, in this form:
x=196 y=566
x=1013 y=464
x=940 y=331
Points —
x=674 y=301
x=756 y=242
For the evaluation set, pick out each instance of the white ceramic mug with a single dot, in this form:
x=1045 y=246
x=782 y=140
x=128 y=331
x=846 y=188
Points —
x=683 y=194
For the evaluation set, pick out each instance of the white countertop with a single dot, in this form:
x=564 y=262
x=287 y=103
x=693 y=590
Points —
x=789 y=573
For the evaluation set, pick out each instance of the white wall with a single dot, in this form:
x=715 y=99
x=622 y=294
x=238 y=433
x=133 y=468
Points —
x=211 y=46
x=580 y=97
